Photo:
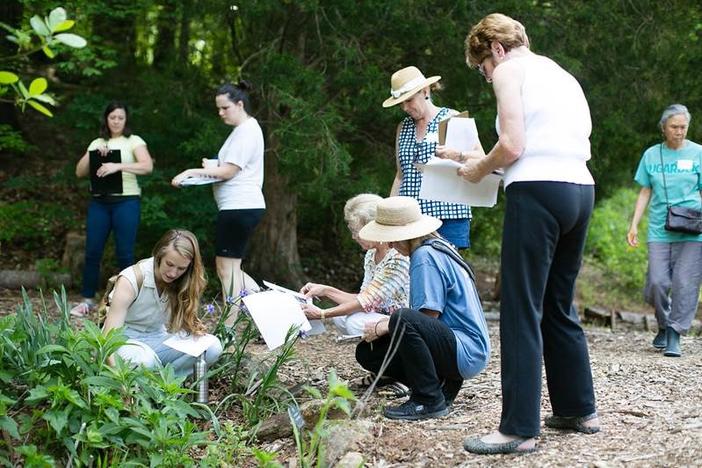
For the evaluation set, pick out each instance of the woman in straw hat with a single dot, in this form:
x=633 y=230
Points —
x=416 y=141
x=544 y=128
x=442 y=338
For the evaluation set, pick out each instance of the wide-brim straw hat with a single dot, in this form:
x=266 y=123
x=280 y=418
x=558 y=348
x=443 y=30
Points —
x=398 y=219
x=405 y=83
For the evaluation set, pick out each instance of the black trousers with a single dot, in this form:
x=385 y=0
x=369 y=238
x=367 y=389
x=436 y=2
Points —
x=542 y=247
x=425 y=358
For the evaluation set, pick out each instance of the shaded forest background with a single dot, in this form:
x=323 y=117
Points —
x=321 y=70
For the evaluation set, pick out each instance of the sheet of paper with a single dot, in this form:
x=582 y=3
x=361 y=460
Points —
x=461 y=134
x=189 y=344
x=440 y=181
x=300 y=297
x=199 y=180
x=274 y=312
x=317 y=328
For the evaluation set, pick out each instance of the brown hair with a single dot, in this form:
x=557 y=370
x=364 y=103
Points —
x=184 y=293
x=494 y=27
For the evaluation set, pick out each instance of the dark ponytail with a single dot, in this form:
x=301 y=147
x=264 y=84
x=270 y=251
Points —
x=236 y=93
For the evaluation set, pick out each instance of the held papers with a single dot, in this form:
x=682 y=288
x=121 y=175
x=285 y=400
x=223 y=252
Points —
x=274 y=312
x=442 y=182
x=317 y=325
x=190 y=344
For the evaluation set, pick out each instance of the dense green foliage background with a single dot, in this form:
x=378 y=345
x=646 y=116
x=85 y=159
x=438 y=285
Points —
x=322 y=69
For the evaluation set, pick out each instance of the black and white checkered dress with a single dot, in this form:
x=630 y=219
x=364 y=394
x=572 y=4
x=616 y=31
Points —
x=410 y=152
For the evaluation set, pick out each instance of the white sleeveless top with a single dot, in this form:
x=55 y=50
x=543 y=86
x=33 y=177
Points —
x=557 y=126
x=149 y=312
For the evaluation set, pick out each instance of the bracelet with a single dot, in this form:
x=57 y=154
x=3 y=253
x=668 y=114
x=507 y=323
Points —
x=375 y=328
x=463 y=157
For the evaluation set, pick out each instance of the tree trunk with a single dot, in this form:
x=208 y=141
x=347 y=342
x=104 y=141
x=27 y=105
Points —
x=274 y=255
x=165 y=39
x=184 y=34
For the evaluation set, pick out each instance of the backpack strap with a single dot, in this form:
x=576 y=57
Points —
x=443 y=246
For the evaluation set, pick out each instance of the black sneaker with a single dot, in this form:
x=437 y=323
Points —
x=413 y=411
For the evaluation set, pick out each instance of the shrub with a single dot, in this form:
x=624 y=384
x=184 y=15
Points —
x=625 y=266
x=67 y=401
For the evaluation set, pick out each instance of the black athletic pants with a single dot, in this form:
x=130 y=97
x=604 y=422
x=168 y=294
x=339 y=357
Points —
x=545 y=226
x=425 y=358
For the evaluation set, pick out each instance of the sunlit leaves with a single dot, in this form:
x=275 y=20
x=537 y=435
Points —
x=48 y=32
x=71 y=40
x=7 y=77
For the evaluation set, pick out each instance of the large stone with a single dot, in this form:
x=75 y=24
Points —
x=344 y=437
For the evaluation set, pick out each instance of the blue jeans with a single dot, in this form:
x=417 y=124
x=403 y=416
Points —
x=456 y=231
x=122 y=218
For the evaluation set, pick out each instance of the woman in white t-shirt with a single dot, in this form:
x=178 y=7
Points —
x=160 y=297
x=114 y=206
x=239 y=193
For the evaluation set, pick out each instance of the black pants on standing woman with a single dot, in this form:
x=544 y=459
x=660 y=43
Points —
x=542 y=247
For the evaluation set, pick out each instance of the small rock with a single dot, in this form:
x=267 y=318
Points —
x=350 y=460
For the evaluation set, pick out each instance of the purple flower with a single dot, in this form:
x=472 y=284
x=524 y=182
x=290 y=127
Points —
x=209 y=308
x=231 y=300
x=244 y=293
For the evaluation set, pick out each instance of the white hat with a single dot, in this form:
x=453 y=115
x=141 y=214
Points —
x=398 y=219
x=405 y=83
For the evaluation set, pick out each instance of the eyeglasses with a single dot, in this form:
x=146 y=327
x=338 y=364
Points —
x=481 y=67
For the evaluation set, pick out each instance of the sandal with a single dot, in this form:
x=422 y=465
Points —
x=575 y=423
x=394 y=390
x=368 y=379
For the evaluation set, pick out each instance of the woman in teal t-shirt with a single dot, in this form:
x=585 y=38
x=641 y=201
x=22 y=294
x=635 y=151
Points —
x=669 y=175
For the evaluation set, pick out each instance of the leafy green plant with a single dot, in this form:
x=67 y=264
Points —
x=231 y=449
x=264 y=394
x=310 y=444
x=606 y=245
x=44 y=34
x=59 y=394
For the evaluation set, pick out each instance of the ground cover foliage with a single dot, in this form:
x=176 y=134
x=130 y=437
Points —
x=61 y=404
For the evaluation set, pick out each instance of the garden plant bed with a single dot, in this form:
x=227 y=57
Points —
x=649 y=407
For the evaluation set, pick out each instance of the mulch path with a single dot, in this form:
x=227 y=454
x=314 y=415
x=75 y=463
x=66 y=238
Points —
x=650 y=408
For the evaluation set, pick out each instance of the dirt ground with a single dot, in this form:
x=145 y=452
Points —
x=650 y=407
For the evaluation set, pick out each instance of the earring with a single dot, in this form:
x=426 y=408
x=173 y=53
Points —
x=426 y=96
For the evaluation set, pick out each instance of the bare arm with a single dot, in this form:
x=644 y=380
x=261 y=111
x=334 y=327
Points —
x=347 y=308
x=83 y=166
x=632 y=237
x=330 y=292
x=395 y=189
x=373 y=331
x=507 y=83
x=122 y=297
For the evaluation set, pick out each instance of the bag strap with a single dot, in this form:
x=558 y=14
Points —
x=443 y=246
x=665 y=188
